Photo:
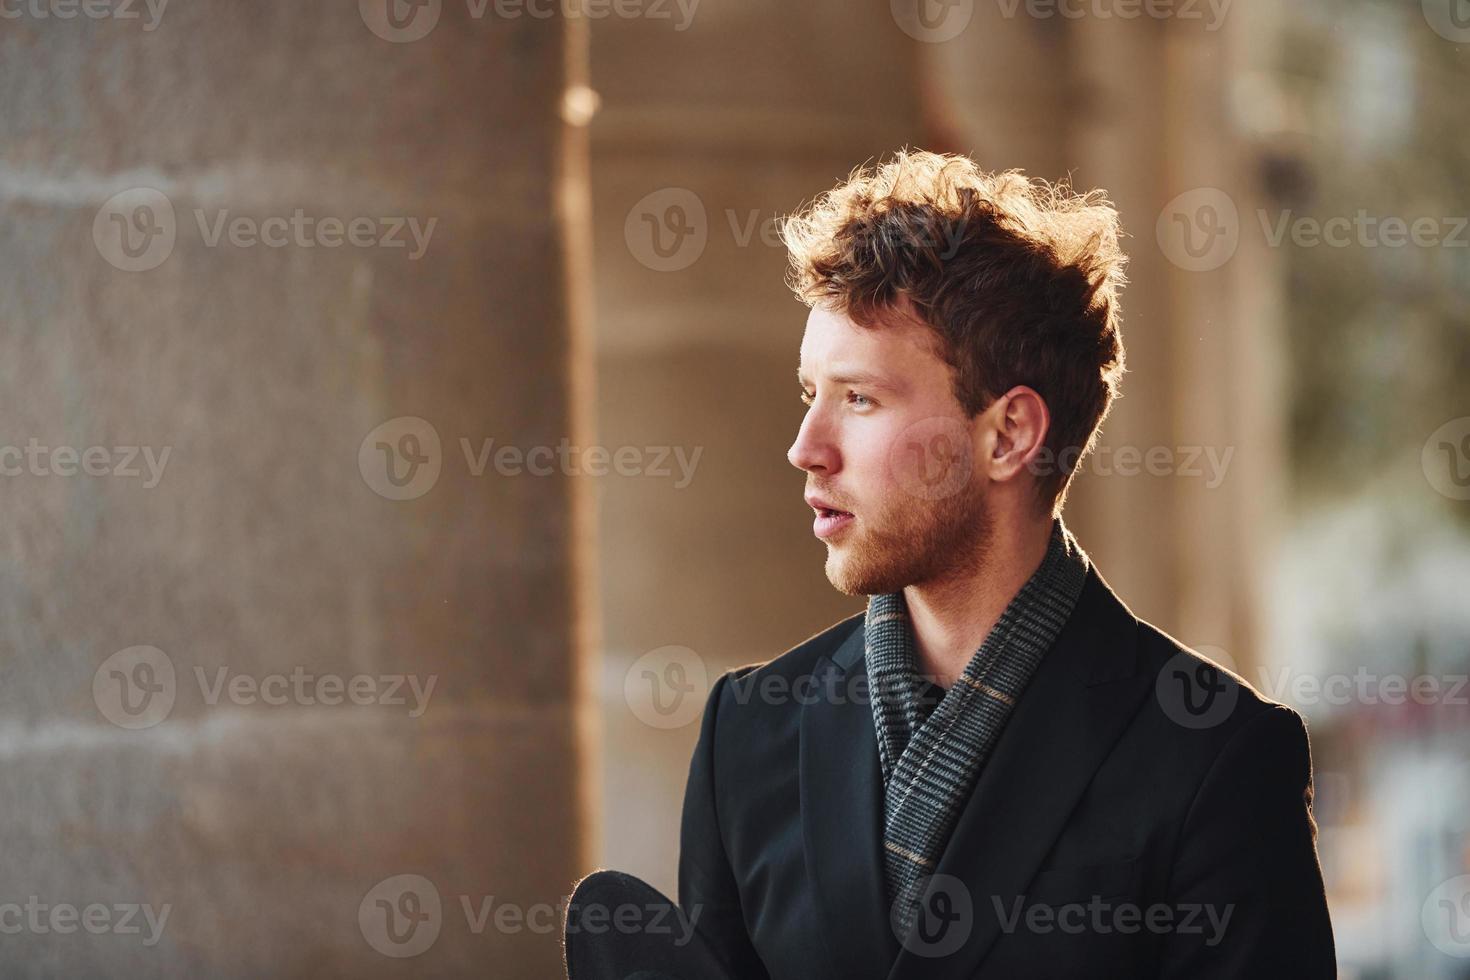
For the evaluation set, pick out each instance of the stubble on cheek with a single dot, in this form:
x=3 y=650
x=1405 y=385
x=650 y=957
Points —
x=910 y=541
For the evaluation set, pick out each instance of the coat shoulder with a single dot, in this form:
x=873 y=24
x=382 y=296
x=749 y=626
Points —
x=800 y=659
x=1200 y=691
x=776 y=681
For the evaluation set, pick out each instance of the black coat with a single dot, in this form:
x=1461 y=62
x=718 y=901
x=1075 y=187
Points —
x=1143 y=814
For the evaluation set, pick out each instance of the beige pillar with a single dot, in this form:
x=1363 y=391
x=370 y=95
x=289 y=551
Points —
x=271 y=545
x=705 y=136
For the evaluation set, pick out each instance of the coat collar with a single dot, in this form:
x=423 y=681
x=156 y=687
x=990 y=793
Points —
x=1078 y=703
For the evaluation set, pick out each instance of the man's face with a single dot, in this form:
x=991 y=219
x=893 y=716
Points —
x=888 y=452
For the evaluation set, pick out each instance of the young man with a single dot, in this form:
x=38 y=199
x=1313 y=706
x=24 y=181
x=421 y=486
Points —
x=997 y=770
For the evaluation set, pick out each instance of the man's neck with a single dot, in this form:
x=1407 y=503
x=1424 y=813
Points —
x=952 y=618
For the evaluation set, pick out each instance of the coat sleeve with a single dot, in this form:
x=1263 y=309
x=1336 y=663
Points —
x=707 y=888
x=1248 y=862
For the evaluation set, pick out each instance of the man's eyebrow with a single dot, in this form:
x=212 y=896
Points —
x=860 y=379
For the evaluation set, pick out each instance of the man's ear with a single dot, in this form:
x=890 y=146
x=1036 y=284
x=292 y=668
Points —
x=1019 y=422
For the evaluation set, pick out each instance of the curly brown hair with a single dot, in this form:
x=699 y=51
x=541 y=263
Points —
x=1018 y=279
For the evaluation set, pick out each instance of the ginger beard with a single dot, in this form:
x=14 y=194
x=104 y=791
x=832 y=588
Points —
x=906 y=538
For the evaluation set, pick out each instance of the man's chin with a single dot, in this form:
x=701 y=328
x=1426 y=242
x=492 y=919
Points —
x=850 y=575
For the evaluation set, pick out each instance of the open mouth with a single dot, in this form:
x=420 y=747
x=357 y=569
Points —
x=830 y=522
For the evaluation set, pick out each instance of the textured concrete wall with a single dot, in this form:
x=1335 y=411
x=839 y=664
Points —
x=268 y=545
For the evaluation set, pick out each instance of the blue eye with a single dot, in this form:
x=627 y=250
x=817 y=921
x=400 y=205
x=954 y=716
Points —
x=853 y=396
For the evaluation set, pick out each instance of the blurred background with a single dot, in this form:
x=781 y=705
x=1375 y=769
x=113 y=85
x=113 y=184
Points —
x=394 y=400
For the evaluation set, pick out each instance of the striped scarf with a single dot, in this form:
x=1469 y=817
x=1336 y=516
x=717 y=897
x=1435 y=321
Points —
x=930 y=765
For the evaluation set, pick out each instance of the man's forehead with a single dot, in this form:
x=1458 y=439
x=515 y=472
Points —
x=835 y=346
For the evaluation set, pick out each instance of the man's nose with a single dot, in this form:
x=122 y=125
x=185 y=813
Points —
x=813 y=449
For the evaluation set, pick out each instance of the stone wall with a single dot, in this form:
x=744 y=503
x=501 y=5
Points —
x=208 y=699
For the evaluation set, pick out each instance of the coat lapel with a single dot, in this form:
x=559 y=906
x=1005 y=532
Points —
x=842 y=814
x=1076 y=706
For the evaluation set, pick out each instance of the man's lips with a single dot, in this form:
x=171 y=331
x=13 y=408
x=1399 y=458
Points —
x=829 y=520
x=830 y=523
